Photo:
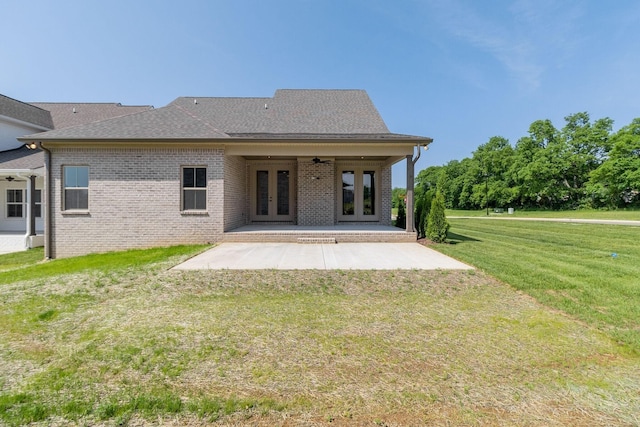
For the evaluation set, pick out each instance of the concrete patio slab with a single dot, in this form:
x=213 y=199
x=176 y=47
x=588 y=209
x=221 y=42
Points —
x=342 y=256
x=12 y=242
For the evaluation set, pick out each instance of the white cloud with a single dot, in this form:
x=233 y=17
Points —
x=526 y=37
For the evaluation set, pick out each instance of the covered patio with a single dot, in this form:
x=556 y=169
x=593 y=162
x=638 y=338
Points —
x=21 y=198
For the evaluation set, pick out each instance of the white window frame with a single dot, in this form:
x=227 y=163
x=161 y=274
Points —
x=38 y=203
x=195 y=188
x=66 y=186
x=21 y=203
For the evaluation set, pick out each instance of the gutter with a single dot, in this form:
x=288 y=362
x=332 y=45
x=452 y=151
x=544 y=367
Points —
x=48 y=207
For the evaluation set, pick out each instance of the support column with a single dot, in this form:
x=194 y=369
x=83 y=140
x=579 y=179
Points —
x=410 y=182
x=31 y=210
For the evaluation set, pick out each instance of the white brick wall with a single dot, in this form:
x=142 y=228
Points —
x=236 y=190
x=134 y=199
x=385 y=196
x=316 y=193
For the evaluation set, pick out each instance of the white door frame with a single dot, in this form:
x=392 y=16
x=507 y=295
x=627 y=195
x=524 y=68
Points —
x=359 y=171
x=272 y=168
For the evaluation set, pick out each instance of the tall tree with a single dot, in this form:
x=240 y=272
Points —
x=616 y=182
x=493 y=185
x=437 y=226
x=531 y=169
x=586 y=147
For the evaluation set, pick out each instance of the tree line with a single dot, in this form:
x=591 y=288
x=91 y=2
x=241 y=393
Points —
x=582 y=165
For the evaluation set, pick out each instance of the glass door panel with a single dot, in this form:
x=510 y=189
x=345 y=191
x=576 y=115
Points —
x=348 y=193
x=262 y=193
x=368 y=193
x=282 y=190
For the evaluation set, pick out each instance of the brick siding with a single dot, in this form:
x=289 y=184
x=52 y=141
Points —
x=316 y=193
x=236 y=190
x=135 y=199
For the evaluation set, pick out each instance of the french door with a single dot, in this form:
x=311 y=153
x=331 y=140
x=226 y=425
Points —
x=272 y=191
x=358 y=194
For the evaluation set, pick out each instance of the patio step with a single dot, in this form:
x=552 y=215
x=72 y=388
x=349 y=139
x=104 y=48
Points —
x=318 y=237
x=317 y=240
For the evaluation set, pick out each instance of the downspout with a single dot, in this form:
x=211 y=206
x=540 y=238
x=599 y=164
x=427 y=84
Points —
x=47 y=201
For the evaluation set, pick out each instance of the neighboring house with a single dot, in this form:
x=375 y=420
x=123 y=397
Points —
x=199 y=168
x=22 y=170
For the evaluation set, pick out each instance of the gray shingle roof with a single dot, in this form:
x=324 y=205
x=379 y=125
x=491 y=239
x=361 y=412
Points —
x=320 y=114
x=292 y=111
x=67 y=114
x=25 y=112
x=169 y=122
x=21 y=158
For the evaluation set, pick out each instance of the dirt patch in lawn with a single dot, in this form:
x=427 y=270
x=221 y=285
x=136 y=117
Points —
x=293 y=348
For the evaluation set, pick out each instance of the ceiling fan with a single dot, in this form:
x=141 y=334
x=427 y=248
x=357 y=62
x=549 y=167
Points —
x=316 y=160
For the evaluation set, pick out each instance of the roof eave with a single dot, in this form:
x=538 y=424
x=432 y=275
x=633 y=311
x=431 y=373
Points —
x=407 y=139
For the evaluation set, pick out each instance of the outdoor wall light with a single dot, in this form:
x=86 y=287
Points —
x=31 y=145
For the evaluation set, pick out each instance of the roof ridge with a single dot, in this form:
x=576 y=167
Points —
x=100 y=121
x=23 y=103
x=87 y=103
x=209 y=125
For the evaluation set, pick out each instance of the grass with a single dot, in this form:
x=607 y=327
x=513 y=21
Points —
x=588 y=271
x=619 y=214
x=20 y=259
x=141 y=344
x=25 y=265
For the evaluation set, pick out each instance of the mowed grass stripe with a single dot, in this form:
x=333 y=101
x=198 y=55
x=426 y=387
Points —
x=579 y=261
x=589 y=271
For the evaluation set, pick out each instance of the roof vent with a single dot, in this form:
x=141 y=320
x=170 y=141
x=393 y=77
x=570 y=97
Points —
x=195 y=102
x=266 y=107
x=74 y=110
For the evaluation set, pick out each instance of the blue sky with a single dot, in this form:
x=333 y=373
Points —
x=459 y=71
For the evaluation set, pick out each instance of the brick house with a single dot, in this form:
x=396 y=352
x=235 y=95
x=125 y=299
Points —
x=22 y=170
x=200 y=169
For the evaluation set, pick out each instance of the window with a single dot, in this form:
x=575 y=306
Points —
x=38 y=198
x=76 y=188
x=194 y=189
x=348 y=192
x=15 y=203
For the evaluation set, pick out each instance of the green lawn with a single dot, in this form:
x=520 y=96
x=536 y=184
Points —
x=621 y=214
x=588 y=271
x=120 y=339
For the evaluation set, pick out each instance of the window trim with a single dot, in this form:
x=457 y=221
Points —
x=38 y=204
x=24 y=203
x=21 y=204
x=64 y=190
x=204 y=189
